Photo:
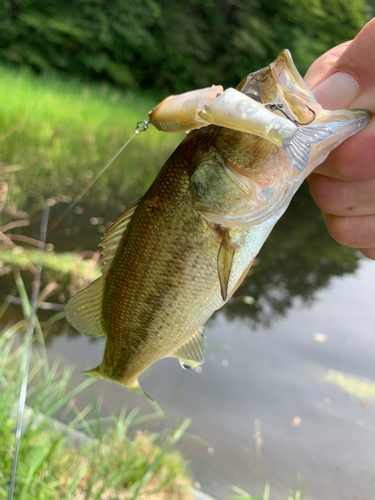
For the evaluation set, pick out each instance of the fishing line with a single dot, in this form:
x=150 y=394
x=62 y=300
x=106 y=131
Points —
x=29 y=336
x=141 y=127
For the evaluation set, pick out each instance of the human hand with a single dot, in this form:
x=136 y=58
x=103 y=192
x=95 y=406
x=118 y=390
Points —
x=344 y=185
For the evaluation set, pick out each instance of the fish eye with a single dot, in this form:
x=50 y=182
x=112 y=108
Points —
x=253 y=95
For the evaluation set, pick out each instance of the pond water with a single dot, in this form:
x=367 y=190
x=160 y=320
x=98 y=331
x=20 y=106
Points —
x=267 y=405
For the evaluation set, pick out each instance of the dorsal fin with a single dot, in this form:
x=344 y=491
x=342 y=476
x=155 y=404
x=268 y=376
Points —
x=111 y=238
x=191 y=352
x=84 y=310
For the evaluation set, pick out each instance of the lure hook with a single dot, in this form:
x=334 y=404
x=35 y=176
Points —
x=279 y=107
x=142 y=126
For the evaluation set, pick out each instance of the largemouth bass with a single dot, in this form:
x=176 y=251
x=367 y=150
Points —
x=179 y=253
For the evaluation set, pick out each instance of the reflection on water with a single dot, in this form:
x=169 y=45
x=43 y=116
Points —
x=263 y=405
x=298 y=258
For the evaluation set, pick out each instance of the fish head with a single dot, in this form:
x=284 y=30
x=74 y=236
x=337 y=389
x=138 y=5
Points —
x=260 y=86
x=263 y=167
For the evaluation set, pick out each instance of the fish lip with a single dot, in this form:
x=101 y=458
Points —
x=292 y=91
x=284 y=61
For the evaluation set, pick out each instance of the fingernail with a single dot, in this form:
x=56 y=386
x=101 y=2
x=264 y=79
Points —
x=338 y=91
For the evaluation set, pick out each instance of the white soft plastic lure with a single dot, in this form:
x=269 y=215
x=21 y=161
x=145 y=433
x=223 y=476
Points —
x=243 y=109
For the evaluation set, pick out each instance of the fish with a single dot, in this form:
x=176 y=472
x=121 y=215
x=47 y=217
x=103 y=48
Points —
x=178 y=254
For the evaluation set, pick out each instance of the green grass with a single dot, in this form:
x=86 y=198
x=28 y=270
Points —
x=60 y=133
x=64 y=263
x=54 y=137
x=117 y=463
x=63 y=275
x=243 y=495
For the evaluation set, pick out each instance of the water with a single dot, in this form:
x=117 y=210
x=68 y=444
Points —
x=261 y=407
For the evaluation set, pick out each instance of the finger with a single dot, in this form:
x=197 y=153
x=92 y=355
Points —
x=357 y=232
x=319 y=68
x=368 y=252
x=354 y=159
x=352 y=76
x=342 y=198
x=349 y=82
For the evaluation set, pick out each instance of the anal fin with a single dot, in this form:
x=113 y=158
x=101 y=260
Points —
x=297 y=147
x=224 y=263
x=191 y=352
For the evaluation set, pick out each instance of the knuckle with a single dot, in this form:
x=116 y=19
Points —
x=338 y=229
x=358 y=232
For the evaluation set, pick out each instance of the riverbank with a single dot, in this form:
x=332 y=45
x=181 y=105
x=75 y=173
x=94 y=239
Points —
x=89 y=458
x=56 y=135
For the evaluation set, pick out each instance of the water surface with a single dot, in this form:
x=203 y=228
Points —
x=271 y=381
x=262 y=408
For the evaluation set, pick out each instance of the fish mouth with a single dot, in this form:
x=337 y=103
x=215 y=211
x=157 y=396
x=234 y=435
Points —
x=280 y=83
x=293 y=92
x=287 y=75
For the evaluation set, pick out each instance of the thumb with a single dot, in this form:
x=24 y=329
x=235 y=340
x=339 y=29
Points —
x=345 y=76
x=319 y=69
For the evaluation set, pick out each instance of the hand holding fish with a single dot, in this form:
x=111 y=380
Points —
x=344 y=185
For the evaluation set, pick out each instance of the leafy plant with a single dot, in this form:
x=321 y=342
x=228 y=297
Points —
x=171 y=46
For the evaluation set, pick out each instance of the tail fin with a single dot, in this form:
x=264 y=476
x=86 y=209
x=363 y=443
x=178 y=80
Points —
x=133 y=385
x=297 y=148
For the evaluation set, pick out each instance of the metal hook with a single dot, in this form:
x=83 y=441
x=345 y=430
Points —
x=142 y=126
x=279 y=107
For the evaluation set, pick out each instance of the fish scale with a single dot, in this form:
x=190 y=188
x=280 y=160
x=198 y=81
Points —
x=147 y=309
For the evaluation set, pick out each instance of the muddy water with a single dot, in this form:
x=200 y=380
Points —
x=262 y=408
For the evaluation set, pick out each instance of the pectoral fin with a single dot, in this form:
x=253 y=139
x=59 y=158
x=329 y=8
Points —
x=297 y=147
x=224 y=263
x=191 y=353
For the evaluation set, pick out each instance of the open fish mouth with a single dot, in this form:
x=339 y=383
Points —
x=281 y=83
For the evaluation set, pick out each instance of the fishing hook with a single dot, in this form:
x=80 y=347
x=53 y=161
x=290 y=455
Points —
x=279 y=107
x=142 y=126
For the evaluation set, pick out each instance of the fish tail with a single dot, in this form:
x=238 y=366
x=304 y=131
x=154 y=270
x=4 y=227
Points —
x=133 y=385
x=94 y=372
x=297 y=147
